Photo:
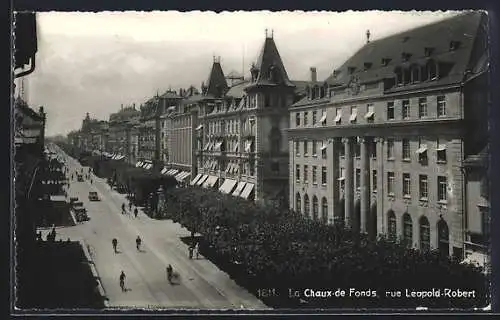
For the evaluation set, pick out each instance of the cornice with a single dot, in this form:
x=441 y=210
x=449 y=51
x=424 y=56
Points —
x=452 y=127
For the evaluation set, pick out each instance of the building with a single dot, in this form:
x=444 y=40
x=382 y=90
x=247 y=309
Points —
x=381 y=143
x=241 y=135
x=170 y=102
x=180 y=122
x=149 y=131
x=120 y=143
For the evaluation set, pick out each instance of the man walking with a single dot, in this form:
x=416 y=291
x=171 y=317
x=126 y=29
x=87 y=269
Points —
x=136 y=212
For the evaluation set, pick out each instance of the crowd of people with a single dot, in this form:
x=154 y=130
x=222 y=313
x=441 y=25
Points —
x=280 y=248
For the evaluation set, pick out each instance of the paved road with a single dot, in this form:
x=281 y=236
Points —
x=202 y=285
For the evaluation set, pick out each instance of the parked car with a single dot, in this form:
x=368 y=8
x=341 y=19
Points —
x=93 y=196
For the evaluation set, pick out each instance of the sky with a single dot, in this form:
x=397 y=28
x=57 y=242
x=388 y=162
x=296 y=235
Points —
x=94 y=62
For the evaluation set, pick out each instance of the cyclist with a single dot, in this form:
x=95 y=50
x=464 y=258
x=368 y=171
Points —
x=123 y=208
x=138 y=243
x=122 y=280
x=169 y=273
x=130 y=206
x=115 y=243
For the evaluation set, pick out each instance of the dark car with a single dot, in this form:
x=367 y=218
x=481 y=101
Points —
x=93 y=196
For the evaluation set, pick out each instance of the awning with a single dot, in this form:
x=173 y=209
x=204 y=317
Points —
x=211 y=146
x=338 y=117
x=163 y=170
x=227 y=186
x=441 y=147
x=199 y=127
x=229 y=167
x=341 y=178
x=211 y=180
x=213 y=165
x=236 y=147
x=247 y=191
x=353 y=117
x=323 y=147
x=239 y=188
x=202 y=180
x=248 y=146
x=174 y=172
x=422 y=149
x=369 y=114
x=185 y=175
x=148 y=166
x=198 y=176
x=323 y=118
x=206 y=146
x=179 y=175
x=138 y=164
x=218 y=146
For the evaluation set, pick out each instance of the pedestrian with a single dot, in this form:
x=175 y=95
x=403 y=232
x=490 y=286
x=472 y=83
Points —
x=169 y=273
x=130 y=206
x=136 y=212
x=197 y=249
x=122 y=281
x=115 y=243
x=191 y=251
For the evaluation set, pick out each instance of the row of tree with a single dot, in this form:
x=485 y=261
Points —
x=264 y=247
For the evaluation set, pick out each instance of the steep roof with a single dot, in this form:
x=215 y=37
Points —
x=216 y=84
x=170 y=94
x=437 y=36
x=237 y=90
x=269 y=58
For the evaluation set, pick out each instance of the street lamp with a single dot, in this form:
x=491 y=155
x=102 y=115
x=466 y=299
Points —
x=161 y=200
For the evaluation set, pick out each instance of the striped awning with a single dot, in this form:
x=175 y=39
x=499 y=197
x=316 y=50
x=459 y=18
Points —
x=239 y=188
x=247 y=190
x=202 y=180
x=198 y=176
x=227 y=186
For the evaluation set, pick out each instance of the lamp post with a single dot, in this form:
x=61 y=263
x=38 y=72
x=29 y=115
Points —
x=160 y=200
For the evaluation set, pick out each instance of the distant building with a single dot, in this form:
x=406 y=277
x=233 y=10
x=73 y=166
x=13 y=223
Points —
x=381 y=143
x=119 y=143
x=149 y=131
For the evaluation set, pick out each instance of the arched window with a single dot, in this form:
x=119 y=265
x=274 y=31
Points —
x=425 y=234
x=391 y=222
x=407 y=230
x=324 y=210
x=306 y=205
x=298 y=203
x=315 y=208
x=443 y=238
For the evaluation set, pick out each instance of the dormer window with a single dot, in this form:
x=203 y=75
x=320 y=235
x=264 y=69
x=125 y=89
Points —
x=454 y=45
x=308 y=92
x=321 y=92
x=415 y=73
x=405 y=56
x=367 y=65
x=399 y=76
x=313 y=93
x=428 y=51
x=385 y=61
x=351 y=70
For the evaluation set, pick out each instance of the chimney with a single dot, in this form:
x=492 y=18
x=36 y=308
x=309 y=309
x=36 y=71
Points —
x=133 y=105
x=314 y=76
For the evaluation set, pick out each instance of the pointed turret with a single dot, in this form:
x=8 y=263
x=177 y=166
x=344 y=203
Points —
x=269 y=69
x=216 y=85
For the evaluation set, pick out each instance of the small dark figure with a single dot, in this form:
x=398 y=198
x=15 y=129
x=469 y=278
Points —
x=90 y=181
x=115 y=243
x=138 y=242
x=123 y=208
x=169 y=273
x=122 y=280
x=136 y=212
x=191 y=252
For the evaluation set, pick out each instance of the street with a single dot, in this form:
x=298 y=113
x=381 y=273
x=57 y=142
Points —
x=202 y=284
